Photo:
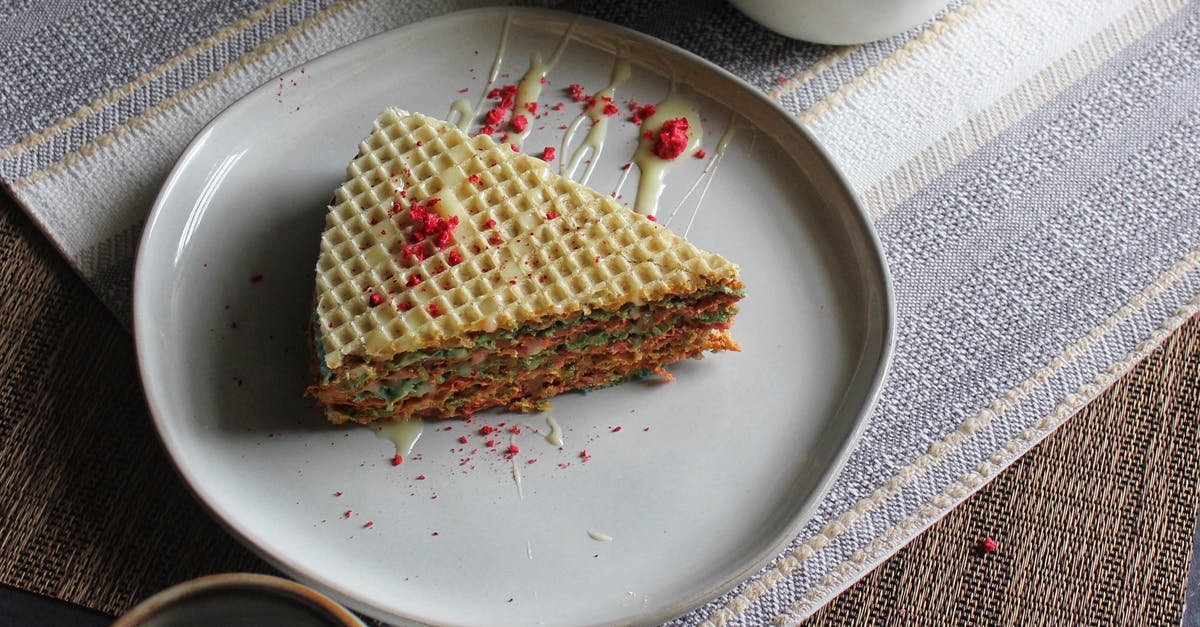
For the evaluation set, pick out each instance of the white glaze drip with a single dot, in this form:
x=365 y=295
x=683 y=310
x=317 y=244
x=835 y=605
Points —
x=403 y=433
x=555 y=435
x=599 y=537
x=652 y=168
x=462 y=106
x=529 y=89
x=599 y=129
x=710 y=170
x=516 y=469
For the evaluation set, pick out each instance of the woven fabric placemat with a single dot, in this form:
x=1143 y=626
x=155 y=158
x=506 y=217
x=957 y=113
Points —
x=1094 y=525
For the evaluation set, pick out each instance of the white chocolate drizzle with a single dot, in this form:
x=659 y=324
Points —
x=403 y=433
x=516 y=469
x=529 y=89
x=599 y=129
x=555 y=435
x=651 y=167
x=462 y=106
x=709 y=171
x=599 y=537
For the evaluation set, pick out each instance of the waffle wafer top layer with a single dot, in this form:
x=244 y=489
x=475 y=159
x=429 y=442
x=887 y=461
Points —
x=436 y=236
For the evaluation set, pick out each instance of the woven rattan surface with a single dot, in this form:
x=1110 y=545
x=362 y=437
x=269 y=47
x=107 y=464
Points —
x=1094 y=525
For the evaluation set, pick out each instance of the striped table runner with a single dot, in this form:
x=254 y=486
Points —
x=1032 y=168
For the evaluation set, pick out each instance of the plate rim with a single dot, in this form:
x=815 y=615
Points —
x=871 y=380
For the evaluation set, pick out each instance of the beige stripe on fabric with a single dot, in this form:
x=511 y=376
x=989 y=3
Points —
x=985 y=126
x=33 y=140
x=802 y=77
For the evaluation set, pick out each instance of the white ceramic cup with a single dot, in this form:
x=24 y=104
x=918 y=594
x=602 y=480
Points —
x=839 y=22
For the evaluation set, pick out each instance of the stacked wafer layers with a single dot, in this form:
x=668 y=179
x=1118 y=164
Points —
x=456 y=274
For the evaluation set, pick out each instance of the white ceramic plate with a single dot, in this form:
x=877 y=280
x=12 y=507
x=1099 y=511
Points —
x=707 y=478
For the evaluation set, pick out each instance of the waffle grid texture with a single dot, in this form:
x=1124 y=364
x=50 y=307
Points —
x=528 y=246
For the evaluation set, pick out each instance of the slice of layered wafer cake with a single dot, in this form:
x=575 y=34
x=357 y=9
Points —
x=456 y=274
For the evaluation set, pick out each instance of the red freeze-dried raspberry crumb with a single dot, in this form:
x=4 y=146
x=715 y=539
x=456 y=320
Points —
x=348 y=514
x=513 y=449
x=584 y=455
x=397 y=460
x=464 y=90
x=375 y=300
x=495 y=116
x=642 y=112
x=672 y=139
x=495 y=239
x=616 y=428
x=548 y=154
x=611 y=109
x=486 y=429
x=487 y=130
x=370 y=523
x=700 y=154
x=558 y=107
x=338 y=493
x=988 y=545
x=420 y=477
x=520 y=122
x=652 y=218
x=429 y=225
x=550 y=215
x=491 y=224
x=515 y=429
x=416 y=251
x=256 y=278
x=434 y=310
x=454 y=258
x=531 y=107
x=490 y=444
x=462 y=439
x=403 y=307
x=514 y=147
x=473 y=179
x=575 y=90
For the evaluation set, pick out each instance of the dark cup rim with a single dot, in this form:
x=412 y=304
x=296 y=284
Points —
x=277 y=587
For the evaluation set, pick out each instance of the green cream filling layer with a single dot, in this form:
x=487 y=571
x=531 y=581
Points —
x=360 y=375
x=397 y=390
